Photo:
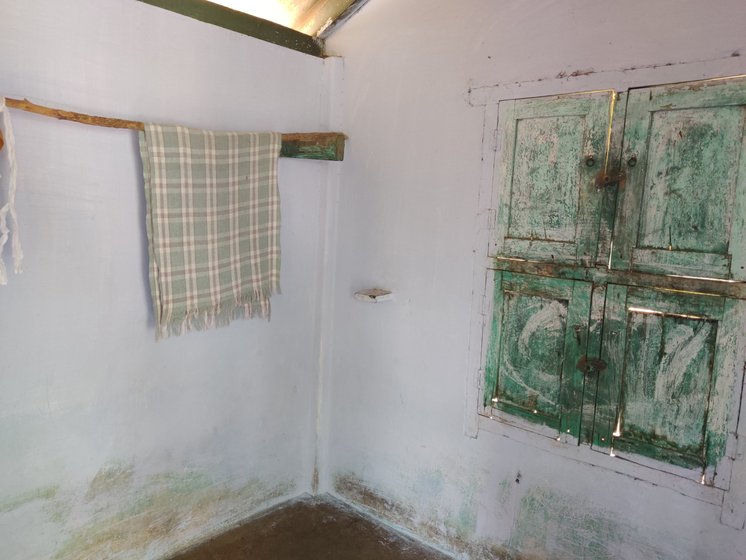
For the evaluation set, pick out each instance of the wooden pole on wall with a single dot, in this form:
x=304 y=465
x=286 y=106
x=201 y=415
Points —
x=327 y=146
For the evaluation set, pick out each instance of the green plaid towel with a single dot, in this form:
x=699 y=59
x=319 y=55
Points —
x=213 y=225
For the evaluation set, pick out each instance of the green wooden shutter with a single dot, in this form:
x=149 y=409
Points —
x=539 y=334
x=646 y=370
x=683 y=205
x=552 y=150
x=665 y=392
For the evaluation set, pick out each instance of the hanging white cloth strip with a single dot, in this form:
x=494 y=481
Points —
x=8 y=218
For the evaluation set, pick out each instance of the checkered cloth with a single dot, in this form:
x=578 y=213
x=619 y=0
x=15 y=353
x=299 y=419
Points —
x=213 y=225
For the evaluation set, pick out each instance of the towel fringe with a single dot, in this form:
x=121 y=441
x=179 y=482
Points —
x=256 y=304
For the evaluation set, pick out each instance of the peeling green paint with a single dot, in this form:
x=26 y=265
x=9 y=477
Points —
x=533 y=351
x=690 y=148
x=539 y=334
x=681 y=210
x=544 y=202
x=674 y=170
x=668 y=360
x=552 y=150
x=664 y=352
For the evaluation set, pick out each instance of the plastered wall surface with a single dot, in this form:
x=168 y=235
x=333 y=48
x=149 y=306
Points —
x=113 y=446
x=394 y=410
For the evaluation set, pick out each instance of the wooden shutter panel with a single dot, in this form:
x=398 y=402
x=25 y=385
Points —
x=539 y=334
x=552 y=150
x=682 y=208
x=667 y=392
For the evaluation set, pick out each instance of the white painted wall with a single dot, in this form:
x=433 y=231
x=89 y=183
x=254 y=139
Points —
x=408 y=222
x=112 y=445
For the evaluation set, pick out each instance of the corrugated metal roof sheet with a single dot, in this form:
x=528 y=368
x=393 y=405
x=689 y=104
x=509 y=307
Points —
x=311 y=17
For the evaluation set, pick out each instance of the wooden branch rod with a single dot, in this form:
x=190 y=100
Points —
x=327 y=146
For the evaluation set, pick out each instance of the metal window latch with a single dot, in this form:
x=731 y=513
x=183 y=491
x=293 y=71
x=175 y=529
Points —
x=609 y=179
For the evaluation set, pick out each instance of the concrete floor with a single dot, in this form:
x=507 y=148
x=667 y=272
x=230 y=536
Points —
x=312 y=528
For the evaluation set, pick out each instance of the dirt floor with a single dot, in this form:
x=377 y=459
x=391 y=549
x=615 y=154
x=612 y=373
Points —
x=312 y=528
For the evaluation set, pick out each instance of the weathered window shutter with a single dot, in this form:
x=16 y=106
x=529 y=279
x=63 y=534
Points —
x=682 y=209
x=538 y=338
x=552 y=150
x=637 y=368
x=664 y=370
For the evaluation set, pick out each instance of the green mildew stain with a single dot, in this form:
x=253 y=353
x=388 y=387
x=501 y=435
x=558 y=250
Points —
x=59 y=510
x=553 y=525
x=110 y=478
x=453 y=529
x=504 y=490
x=464 y=522
x=15 y=502
x=171 y=511
x=436 y=505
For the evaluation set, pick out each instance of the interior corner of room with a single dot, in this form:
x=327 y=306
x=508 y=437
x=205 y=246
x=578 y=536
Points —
x=547 y=200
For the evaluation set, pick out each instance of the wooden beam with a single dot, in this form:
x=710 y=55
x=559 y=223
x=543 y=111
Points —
x=241 y=22
x=328 y=146
x=26 y=105
x=603 y=275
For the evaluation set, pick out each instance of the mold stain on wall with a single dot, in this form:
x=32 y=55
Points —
x=547 y=524
x=122 y=515
x=110 y=478
x=15 y=502
x=550 y=524
x=430 y=486
x=454 y=529
x=170 y=511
